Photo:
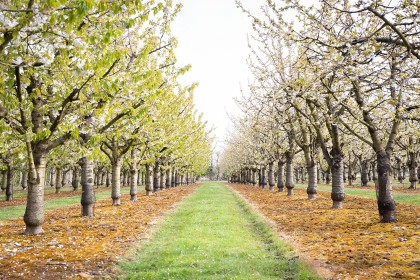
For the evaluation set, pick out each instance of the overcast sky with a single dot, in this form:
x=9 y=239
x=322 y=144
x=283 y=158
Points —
x=212 y=36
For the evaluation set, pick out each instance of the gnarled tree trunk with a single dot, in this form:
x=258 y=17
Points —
x=34 y=212
x=386 y=203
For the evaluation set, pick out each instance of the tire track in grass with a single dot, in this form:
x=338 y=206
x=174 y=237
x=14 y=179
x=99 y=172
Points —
x=214 y=234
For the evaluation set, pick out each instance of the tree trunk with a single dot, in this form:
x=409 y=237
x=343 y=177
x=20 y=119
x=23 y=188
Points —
x=125 y=178
x=177 y=178
x=312 y=180
x=102 y=178
x=271 y=181
x=108 y=180
x=75 y=179
x=134 y=174
x=280 y=176
x=116 y=182
x=24 y=182
x=344 y=174
x=173 y=180
x=149 y=179
x=364 y=172
x=374 y=174
x=52 y=177
x=399 y=171
x=133 y=182
x=34 y=212
x=254 y=176
x=350 y=175
x=264 y=177
x=318 y=177
x=289 y=174
x=337 y=193
x=260 y=177
x=168 y=178
x=4 y=180
x=303 y=175
x=412 y=167
x=296 y=173
x=162 y=179
x=386 y=203
x=156 y=177
x=87 y=181
x=9 y=184
x=99 y=180
x=139 y=175
x=328 y=176
x=58 y=178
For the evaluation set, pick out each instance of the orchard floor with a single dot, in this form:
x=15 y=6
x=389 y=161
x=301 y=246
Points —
x=347 y=243
x=340 y=244
x=75 y=247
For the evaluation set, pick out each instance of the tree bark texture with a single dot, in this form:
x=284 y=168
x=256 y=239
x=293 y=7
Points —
x=116 y=182
x=34 y=212
x=271 y=181
x=289 y=174
x=168 y=178
x=87 y=181
x=149 y=179
x=386 y=203
x=156 y=177
x=280 y=176
x=337 y=193
x=58 y=179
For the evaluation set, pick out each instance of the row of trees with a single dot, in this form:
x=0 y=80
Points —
x=335 y=83
x=94 y=84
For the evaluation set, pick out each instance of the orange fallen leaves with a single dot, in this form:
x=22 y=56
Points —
x=81 y=247
x=349 y=243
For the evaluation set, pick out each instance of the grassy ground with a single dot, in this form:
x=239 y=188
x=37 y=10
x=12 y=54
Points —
x=14 y=212
x=214 y=234
x=405 y=198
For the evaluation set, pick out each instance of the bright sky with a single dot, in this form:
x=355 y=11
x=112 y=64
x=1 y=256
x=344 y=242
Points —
x=212 y=36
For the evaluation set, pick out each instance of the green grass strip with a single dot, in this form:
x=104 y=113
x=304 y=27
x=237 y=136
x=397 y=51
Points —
x=14 y=212
x=214 y=234
x=405 y=198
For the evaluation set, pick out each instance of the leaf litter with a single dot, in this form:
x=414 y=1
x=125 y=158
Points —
x=78 y=247
x=348 y=243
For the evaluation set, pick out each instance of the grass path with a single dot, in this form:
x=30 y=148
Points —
x=14 y=212
x=214 y=234
x=406 y=198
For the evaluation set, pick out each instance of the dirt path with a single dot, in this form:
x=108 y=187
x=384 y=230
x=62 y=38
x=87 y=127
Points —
x=349 y=243
x=80 y=247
